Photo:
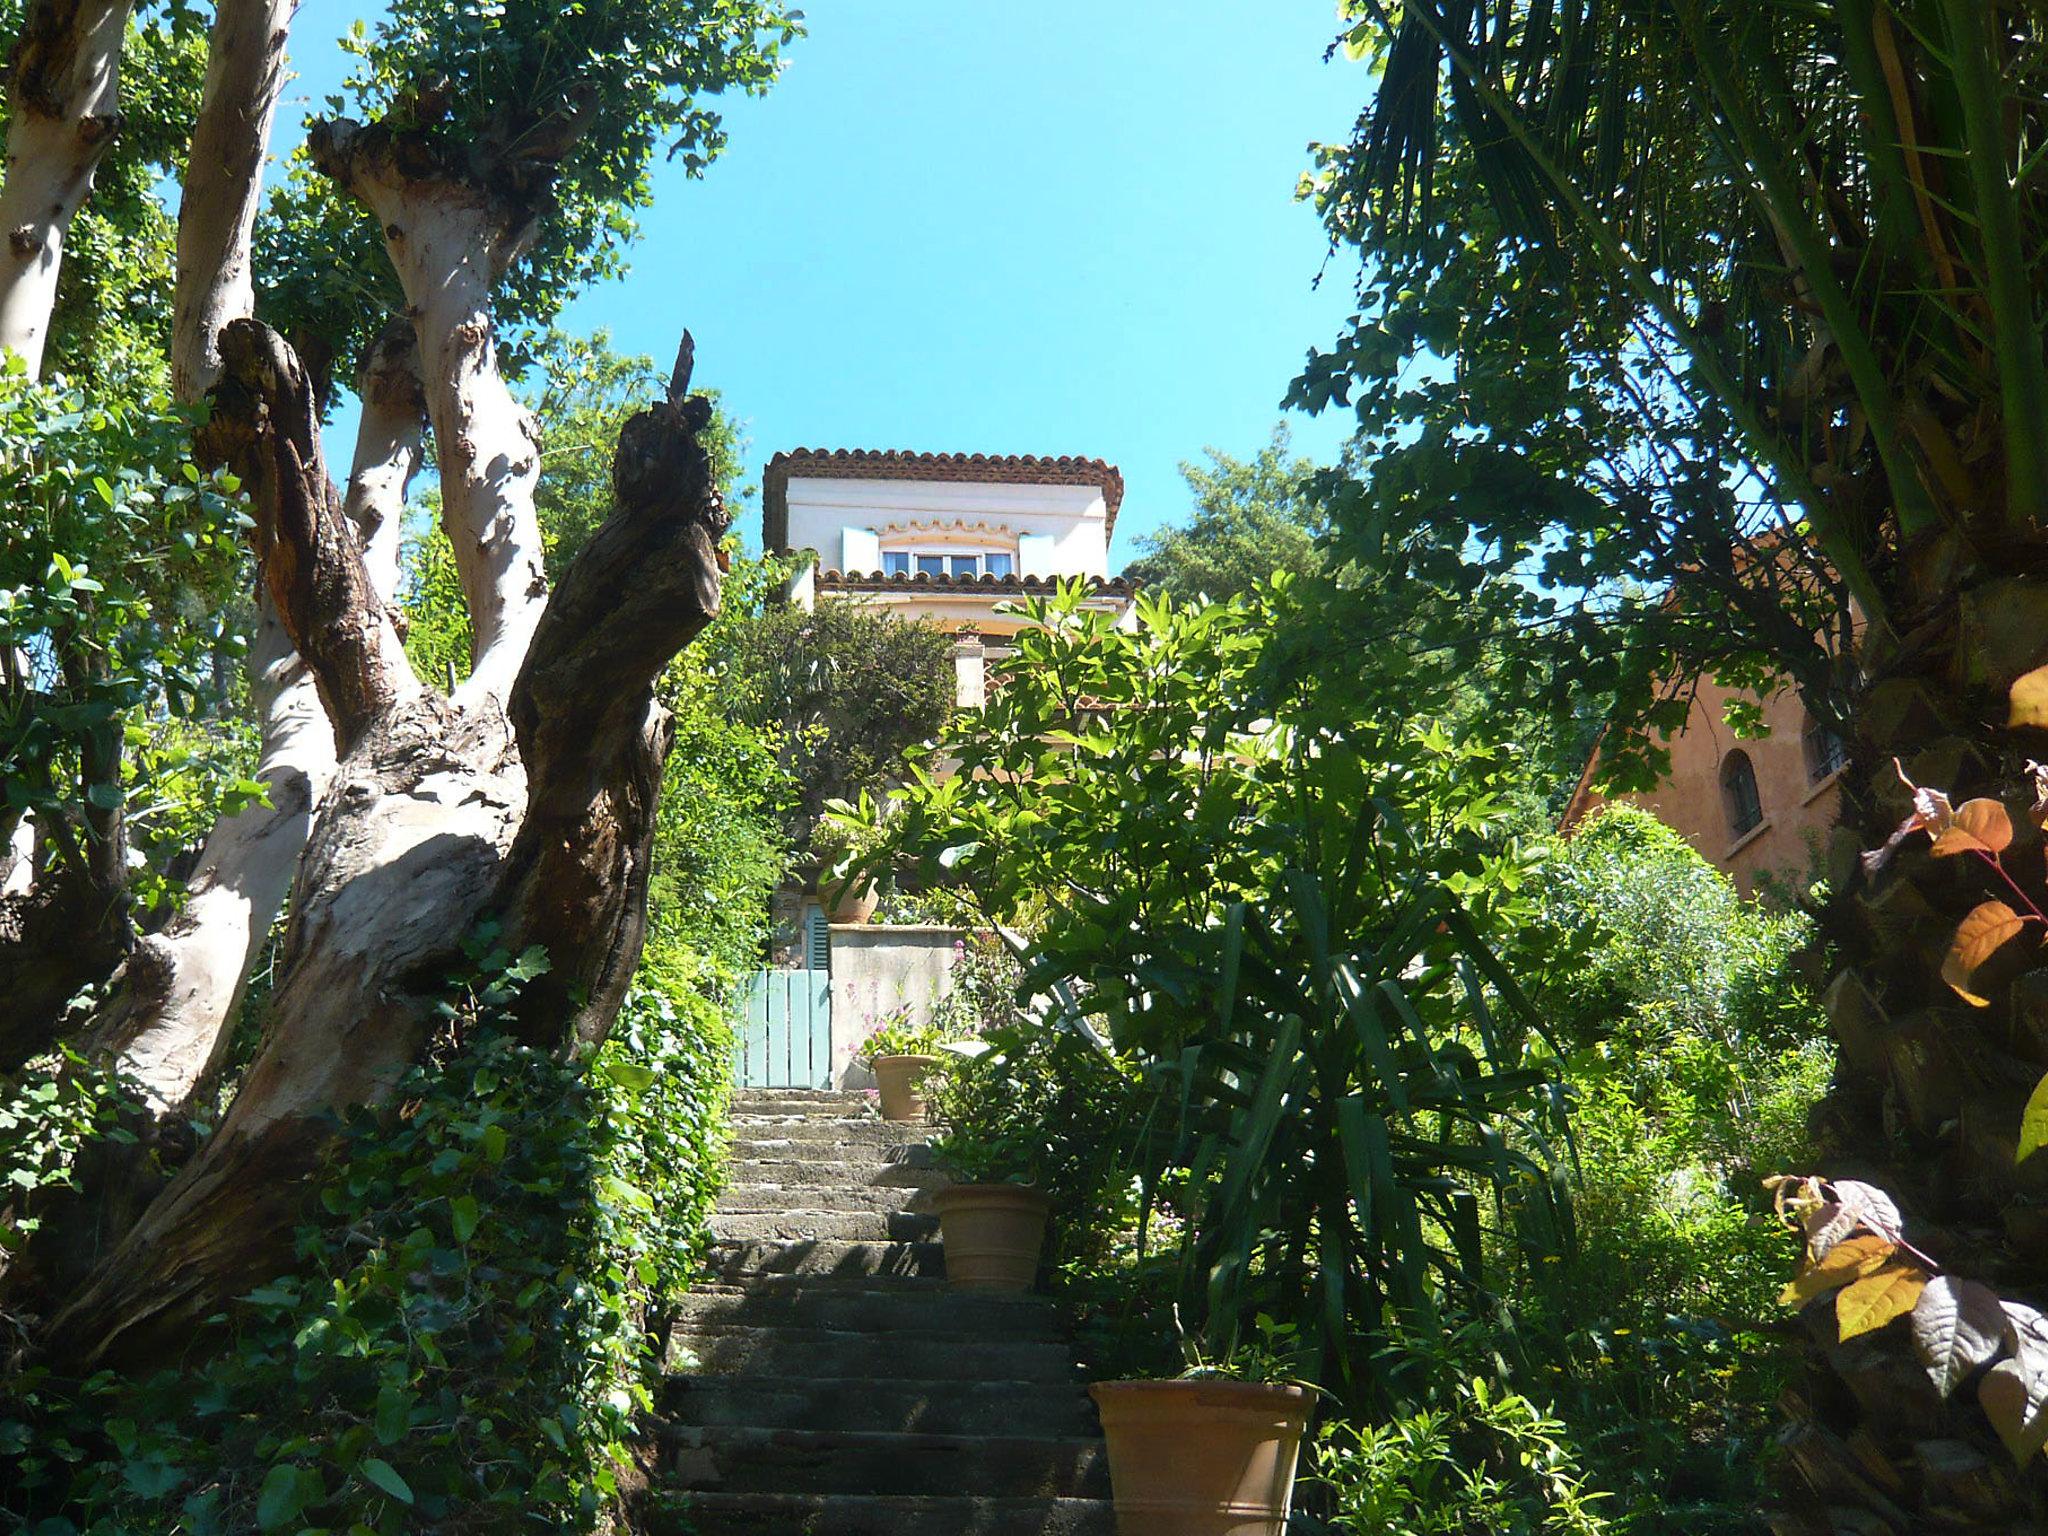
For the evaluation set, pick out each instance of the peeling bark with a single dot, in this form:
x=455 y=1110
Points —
x=245 y=72
x=439 y=814
x=389 y=450
x=62 y=110
x=451 y=231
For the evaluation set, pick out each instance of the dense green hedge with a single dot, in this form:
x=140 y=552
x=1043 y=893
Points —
x=472 y=1328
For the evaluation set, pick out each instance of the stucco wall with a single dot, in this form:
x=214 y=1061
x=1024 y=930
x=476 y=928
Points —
x=877 y=968
x=1074 y=517
x=1799 y=812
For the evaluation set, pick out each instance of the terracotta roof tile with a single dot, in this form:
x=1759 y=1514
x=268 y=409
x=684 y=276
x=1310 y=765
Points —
x=892 y=464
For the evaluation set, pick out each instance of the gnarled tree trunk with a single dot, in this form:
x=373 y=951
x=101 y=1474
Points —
x=538 y=813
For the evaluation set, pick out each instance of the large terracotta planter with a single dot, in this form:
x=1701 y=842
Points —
x=1201 y=1458
x=992 y=1234
x=847 y=903
x=901 y=1080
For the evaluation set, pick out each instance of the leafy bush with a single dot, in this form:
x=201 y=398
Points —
x=844 y=690
x=1698 y=1058
x=1271 y=906
x=1490 y=1463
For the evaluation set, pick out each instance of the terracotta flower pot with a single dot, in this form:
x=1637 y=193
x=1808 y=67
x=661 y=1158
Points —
x=901 y=1079
x=1201 y=1458
x=847 y=903
x=992 y=1234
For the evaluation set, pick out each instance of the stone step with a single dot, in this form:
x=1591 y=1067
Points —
x=752 y=1199
x=835 y=1173
x=742 y=1459
x=900 y=1312
x=814 y=1514
x=855 y=1262
x=845 y=1226
x=796 y=1102
x=904 y=1406
x=856 y=1140
x=831 y=1353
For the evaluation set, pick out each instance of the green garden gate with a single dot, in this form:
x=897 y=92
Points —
x=784 y=1030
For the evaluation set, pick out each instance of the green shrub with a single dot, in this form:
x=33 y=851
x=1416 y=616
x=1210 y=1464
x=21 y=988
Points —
x=1698 y=1056
x=1490 y=1463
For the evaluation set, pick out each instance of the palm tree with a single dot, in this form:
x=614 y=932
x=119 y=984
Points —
x=1749 y=296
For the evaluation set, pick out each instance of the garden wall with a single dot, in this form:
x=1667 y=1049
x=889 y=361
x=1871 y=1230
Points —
x=876 y=969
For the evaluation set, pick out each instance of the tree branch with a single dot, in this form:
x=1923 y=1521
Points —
x=583 y=711
x=265 y=425
x=245 y=70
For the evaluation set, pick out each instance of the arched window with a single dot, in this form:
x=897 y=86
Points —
x=1824 y=751
x=1738 y=794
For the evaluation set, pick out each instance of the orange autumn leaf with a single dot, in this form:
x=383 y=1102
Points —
x=1849 y=1260
x=1978 y=937
x=1866 y=1305
x=1978 y=826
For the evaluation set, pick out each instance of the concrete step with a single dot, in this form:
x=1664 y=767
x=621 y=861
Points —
x=856 y=1139
x=870 y=1262
x=904 y=1406
x=751 y=1199
x=845 y=1226
x=739 y=1459
x=815 y=1514
x=832 y=1353
x=896 y=1312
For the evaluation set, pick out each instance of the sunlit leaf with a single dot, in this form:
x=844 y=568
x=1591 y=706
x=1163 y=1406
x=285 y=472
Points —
x=1849 y=1260
x=1978 y=826
x=1987 y=929
x=1877 y=1299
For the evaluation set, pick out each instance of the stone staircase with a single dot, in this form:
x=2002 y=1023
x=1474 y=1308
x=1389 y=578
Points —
x=824 y=1382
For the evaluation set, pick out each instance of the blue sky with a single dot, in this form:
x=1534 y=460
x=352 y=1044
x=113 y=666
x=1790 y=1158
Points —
x=956 y=226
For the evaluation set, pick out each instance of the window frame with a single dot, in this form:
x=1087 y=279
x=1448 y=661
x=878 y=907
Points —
x=1743 y=813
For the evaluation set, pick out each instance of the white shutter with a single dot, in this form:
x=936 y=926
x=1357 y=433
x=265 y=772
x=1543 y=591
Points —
x=860 y=549
x=1034 y=554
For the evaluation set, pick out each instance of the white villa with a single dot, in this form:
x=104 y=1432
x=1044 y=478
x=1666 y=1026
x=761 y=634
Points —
x=945 y=537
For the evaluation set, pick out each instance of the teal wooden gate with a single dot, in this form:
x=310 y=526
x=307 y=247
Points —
x=784 y=1031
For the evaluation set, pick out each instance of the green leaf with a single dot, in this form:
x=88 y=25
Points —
x=282 y=1496
x=385 y=1477
x=464 y=1214
x=2034 y=1123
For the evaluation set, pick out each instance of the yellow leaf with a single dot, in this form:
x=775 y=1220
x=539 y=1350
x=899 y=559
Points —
x=1850 y=1259
x=1978 y=937
x=1978 y=826
x=1871 y=1302
x=2028 y=699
